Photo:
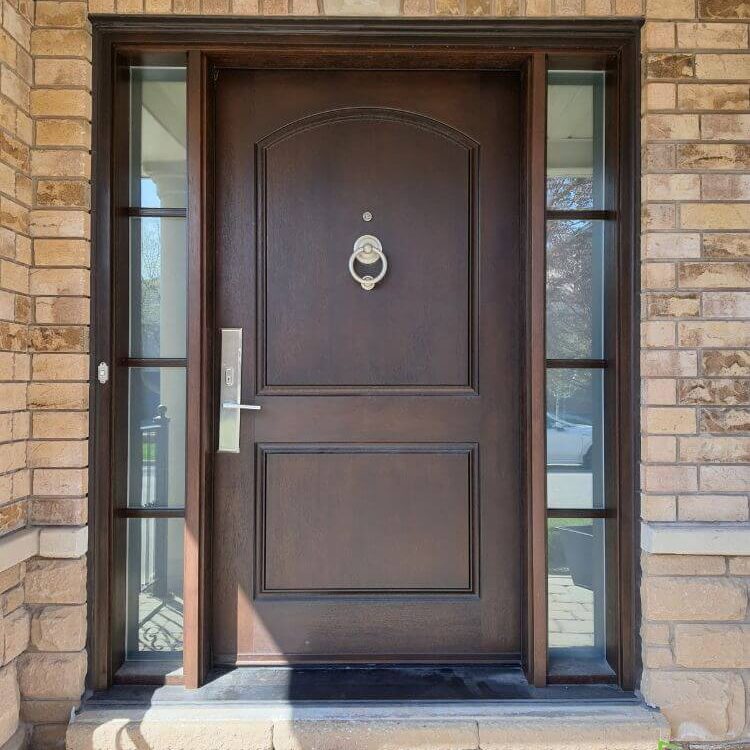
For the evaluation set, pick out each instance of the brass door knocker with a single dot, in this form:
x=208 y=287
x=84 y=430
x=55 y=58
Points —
x=368 y=250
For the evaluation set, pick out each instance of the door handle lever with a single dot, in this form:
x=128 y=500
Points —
x=249 y=407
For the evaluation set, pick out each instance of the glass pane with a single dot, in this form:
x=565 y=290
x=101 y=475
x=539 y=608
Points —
x=156 y=449
x=575 y=289
x=575 y=140
x=576 y=584
x=158 y=288
x=575 y=455
x=154 y=588
x=158 y=138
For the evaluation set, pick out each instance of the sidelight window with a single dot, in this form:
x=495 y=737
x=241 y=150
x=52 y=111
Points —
x=150 y=374
x=579 y=249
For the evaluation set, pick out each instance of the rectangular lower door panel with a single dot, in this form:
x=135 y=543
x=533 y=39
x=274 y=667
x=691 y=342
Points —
x=375 y=519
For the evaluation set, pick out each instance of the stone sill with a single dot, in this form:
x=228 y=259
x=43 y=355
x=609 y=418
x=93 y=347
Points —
x=403 y=726
x=43 y=541
x=696 y=539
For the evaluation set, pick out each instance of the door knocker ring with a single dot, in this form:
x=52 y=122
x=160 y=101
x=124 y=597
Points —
x=368 y=250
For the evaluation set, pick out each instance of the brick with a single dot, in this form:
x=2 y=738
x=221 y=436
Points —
x=61 y=103
x=59 y=628
x=11 y=577
x=58 y=132
x=672 y=305
x=59 y=339
x=712 y=508
x=60 y=424
x=60 y=482
x=60 y=367
x=49 y=223
x=712 y=646
x=683 y=565
x=658 y=35
x=712 y=35
x=690 y=598
x=58 y=675
x=657 y=275
x=722 y=8
x=61 y=252
x=655 y=633
x=726 y=245
x=59 y=282
x=669 y=66
x=9 y=702
x=698 y=705
x=658 y=507
x=62 y=310
x=55 y=582
x=659 y=449
x=725 y=127
x=58 y=511
x=670 y=9
x=672 y=127
x=60 y=14
x=713 y=333
x=659 y=392
x=657 y=333
x=725 y=478
x=12 y=517
x=669 y=420
x=728 y=187
x=713 y=275
x=726 y=304
x=725 y=420
x=66 y=193
x=714 y=450
x=661 y=96
x=712 y=96
x=739 y=566
x=16 y=626
x=672 y=245
x=658 y=156
x=59 y=396
x=731 y=67
x=61 y=43
x=58 y=453
x=60 y=163
x=662 y=479
x=668 y=363
x=717 y=392
x=672 y=187
x=47 y=711
x=658 y=216
x=734 y=363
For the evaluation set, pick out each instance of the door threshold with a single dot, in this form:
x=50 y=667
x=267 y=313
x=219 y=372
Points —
x=391 y=685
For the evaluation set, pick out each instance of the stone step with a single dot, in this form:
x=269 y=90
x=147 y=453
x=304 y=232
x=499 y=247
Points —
x=444 y=726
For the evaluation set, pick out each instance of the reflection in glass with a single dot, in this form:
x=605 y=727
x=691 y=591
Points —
x=575 y=456
x=158 y=289
x=154 y=626
x=158 y=138
x=575 y=140
x=575 y=289
x=156 y=446
x=576 y=584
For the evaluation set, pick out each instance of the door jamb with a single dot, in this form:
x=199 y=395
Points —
x=488 y=44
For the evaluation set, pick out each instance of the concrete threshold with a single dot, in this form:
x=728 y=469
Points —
x=461 y=725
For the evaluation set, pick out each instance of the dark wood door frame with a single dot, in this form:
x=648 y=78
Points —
x=524 y=45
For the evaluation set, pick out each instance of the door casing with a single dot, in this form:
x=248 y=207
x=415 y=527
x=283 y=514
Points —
x=498 y=44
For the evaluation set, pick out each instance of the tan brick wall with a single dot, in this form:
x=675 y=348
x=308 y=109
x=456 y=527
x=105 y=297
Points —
x=16 y=138
x=695 y=332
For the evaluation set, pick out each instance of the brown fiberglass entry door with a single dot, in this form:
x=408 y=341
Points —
x=373 y=511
